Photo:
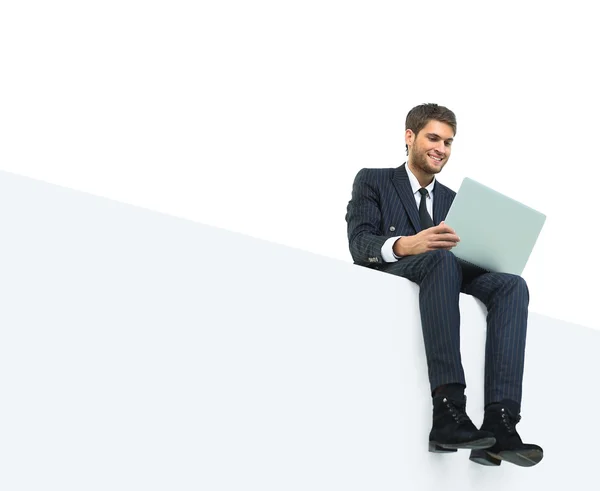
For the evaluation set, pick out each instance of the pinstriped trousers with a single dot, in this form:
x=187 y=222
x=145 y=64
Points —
x=441 y=278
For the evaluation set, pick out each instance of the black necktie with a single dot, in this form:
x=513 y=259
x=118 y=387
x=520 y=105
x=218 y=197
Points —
x=426 y=220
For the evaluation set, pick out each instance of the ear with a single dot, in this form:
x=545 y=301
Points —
x=409 y=137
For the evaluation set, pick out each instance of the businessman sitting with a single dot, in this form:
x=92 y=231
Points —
x=395 y=224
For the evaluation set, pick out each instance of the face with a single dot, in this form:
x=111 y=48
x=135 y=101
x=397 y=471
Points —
x=429 y=151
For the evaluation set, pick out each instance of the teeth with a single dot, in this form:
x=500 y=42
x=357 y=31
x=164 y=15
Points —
x=436 y=158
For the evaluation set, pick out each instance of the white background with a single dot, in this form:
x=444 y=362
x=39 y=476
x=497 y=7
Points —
x=255 y=116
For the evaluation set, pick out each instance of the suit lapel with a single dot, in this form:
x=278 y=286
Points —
x=441 y=203
x=402 y=185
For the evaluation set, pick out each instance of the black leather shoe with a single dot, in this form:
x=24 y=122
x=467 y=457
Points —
x=501 y=422
x=453 y=429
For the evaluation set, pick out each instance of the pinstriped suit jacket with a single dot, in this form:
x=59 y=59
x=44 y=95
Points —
x=383 y=206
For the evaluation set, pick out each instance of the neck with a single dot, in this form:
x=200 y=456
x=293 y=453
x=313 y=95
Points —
x=423 y=177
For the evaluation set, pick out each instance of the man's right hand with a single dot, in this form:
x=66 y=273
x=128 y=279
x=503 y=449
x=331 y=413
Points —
x=439 y=237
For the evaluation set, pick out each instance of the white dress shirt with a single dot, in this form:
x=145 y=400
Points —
x=387 y=251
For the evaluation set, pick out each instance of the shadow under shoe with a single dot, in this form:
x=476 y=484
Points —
x=501 y=423
x=453 y=429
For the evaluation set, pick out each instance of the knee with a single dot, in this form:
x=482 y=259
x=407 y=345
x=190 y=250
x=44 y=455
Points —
x=442 y=259
x=521 y=284
x=518 y=285
x=441 y=256
x=518 y=281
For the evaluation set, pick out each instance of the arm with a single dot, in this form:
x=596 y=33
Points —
x=364 y=218
x=366 y=238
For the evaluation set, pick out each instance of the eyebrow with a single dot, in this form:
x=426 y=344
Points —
x=438 y=136
x=429 y=135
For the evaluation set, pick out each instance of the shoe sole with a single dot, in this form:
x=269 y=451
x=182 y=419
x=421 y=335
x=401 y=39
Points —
x=522 y=458
x=483 y=458
x=482 y=443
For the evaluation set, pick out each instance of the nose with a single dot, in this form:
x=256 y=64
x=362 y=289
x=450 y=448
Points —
x=440 y=147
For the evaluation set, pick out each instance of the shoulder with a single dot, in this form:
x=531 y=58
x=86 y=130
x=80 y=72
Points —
x=374 y=175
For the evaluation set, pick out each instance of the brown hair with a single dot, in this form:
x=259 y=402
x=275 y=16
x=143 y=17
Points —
x=418 y=117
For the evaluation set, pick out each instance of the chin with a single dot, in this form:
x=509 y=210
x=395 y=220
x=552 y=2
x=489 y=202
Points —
x=434 y=170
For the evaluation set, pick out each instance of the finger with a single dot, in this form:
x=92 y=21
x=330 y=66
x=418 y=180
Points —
x=445 y=237
x=442 y=245
x=443 y=228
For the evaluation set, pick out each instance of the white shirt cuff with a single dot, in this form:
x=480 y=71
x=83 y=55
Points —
x=387 y=250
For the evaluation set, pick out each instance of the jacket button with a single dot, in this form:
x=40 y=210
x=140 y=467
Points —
x=392 y=228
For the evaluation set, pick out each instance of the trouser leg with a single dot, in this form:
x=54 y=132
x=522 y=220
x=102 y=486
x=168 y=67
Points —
x=506 y=297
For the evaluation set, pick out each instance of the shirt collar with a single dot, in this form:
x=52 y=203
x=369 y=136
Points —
x=414 y=183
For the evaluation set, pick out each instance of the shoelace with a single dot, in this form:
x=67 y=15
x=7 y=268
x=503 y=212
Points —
x=458 y=411
x=510 y=421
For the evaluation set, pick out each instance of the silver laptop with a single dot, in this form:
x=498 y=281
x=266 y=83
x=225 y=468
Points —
x=497 y=233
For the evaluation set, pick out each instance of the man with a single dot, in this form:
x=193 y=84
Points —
x=395 y=224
